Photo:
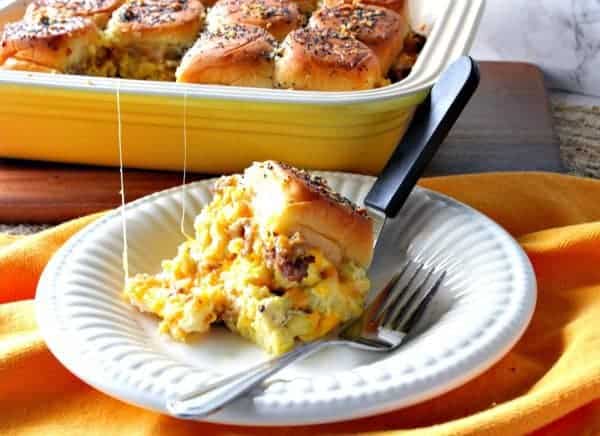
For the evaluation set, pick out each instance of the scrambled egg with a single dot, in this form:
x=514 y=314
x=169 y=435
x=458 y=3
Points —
x=143 y=61
x=98 y=63
x=231 y=272
x=138 y=67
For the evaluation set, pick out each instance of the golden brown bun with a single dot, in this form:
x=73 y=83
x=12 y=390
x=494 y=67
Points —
x=278 y=17
x=382 y=30
x=152 y=26
x=287 y=200
x=236 y=54
x=148 y=37
x=21 y=65
x=63 y=44
x=398 y=6
x=97 y=10
x=325 y=60
x=306 y=6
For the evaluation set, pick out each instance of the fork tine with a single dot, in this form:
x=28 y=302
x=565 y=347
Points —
x=418 y=312
x=392 y=294
x=352 y=329
x=401 y=311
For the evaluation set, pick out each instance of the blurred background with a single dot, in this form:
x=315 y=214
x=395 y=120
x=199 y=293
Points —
x=562 y=37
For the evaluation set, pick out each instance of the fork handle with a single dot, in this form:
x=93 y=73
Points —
x=430 y=126
x=209 y=399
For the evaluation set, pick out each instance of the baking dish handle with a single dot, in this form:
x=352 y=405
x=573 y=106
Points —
x=430 y=126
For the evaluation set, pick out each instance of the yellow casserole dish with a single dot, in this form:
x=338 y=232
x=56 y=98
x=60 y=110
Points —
x=64 y=118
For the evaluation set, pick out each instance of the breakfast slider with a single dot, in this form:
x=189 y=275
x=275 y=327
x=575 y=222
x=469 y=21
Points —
x=51 y=44
x=149 y=37
x=278 y=17
x=278 y=256
x=97 y=10
x=287 y=201
x=326 y=60
x=382 y=30
x=398 y=6
x=233 y=54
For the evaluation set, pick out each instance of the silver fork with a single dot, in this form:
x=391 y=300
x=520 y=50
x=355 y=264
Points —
x=397 y=308
x=385 y=323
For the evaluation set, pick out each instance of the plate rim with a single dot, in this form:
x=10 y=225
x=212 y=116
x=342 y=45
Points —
x=49 y=327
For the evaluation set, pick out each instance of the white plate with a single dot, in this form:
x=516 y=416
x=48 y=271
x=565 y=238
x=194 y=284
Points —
x=486 y=302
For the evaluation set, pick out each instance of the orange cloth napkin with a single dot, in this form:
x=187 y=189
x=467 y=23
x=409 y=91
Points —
x=549 y=384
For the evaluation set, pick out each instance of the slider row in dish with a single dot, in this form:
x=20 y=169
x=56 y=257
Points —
x=259 y=43
x=139 y=39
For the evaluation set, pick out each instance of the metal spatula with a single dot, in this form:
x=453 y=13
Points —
x=432 y=121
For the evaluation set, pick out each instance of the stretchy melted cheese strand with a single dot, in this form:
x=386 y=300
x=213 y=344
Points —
x=185 y=153
x=122 y=180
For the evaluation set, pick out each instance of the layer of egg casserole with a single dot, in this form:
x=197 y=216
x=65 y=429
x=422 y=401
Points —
x=277 y=256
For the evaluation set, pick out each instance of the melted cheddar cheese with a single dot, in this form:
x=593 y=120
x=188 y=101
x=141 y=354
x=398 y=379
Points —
x=227 y=273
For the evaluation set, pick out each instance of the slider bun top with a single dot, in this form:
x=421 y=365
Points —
x=97 y=10
x=234 y=54
x=52 y=43
x=278 y=17
x=398 y=6
x=173 y=22
x=382 y=30
x=306 y=6
x=326 y=60
x=288 y=200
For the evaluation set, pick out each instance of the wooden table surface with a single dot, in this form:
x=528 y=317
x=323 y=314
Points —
x=507 y=126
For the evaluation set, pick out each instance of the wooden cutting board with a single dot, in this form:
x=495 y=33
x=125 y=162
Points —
x=507 y=126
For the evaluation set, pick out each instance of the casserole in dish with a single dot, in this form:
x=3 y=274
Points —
x=74 y=119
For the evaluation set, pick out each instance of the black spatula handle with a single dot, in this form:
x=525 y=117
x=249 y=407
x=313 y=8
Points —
x=432 y=121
